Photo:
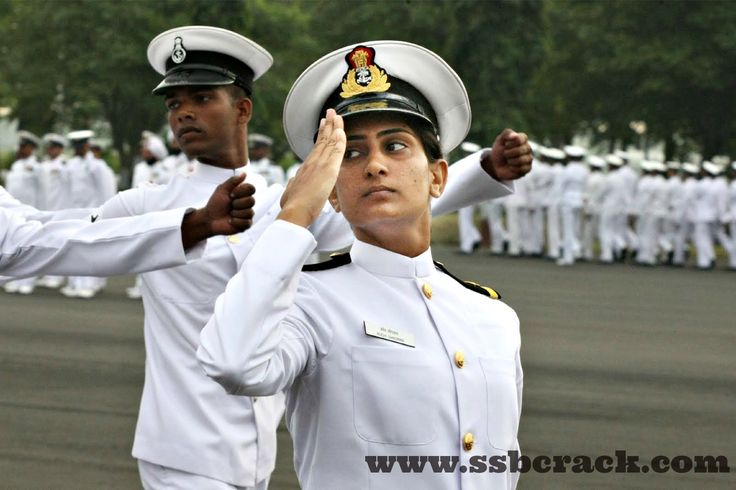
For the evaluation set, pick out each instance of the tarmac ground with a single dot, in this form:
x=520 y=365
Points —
x=616 y=358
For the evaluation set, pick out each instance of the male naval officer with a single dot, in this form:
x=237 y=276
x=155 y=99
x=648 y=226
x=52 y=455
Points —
x=139 y=243
x=190 y=433
x=24 y=181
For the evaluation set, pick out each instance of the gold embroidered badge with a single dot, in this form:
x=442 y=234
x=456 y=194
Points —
x=363 y=76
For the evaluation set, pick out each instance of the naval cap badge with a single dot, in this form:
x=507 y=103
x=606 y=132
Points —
x=179 y=53
x=364 y=75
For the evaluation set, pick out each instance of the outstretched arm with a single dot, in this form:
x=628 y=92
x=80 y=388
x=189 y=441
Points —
x=120 y=245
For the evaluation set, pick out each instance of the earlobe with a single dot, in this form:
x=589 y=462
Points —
x=438 y=176
x=245 y=108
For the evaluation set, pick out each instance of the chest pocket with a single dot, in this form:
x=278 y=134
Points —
x=502 y=401
x=393 y=396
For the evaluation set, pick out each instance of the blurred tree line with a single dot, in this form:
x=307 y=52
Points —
x=551 y=68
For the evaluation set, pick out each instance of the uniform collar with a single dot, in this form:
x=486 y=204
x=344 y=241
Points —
x=383 y=262
x=216 y=175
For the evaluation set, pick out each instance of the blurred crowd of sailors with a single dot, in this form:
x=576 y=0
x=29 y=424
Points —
x=574 y=205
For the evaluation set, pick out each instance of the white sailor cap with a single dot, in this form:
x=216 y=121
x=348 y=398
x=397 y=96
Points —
x=712 y=168
x=673 y=165
x=553 y=154
x=691 y=168
x=374 y=76
x=614 y=160
x=470 y=147
x=595 y=161
x=624 y=155
x=658 y=166
x=153 y=143
x=54 y=139
x=574 y=152
x=28 y=138
x=733 y=165
x=95 y=143
x=80 y=136
x=256 y=139
x=204 y=55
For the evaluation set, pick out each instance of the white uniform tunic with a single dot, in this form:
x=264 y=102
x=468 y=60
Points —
x=24 y=181
x=351 y=396
x=55 y=184
x=80 y=247
x=90 y=181
x=186 y=421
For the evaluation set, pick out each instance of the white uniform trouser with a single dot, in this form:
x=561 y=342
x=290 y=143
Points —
x=553 y=231
x=703 y=238
x=628 y=235
x=537 y=231
x=647 y=229
x=469 y=234
x=513 y=225
x=590 y=228
x=571 y=216
x=157 y=477
x=493 y=211
x=667 y=238
x=607 y=235
x=719 y=232
x=683 y=235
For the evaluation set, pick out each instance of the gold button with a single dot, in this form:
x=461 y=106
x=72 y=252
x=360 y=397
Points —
x=468 y=441
x=234 y=239
x=427 y=290
x=459 y=359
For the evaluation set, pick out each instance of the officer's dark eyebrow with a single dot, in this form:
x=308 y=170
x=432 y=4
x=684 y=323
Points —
x=379 y=134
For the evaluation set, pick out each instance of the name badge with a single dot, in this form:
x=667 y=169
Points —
x=390 y=334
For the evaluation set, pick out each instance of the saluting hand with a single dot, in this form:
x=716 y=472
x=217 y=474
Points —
x=510 y=157
x=307 y=193
x=228 y=211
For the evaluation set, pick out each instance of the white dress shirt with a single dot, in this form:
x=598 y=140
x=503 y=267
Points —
x=351 y=395
x=574 y=175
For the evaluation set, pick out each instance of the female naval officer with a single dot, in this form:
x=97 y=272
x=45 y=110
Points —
x=386 y=358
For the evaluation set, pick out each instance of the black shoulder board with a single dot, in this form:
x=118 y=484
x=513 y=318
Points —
x=473 y=286
x=336 y=260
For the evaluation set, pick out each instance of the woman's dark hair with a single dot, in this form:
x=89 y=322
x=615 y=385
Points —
x=428 y=136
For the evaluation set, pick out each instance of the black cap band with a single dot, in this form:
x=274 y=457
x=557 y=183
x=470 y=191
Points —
x=207 y=68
